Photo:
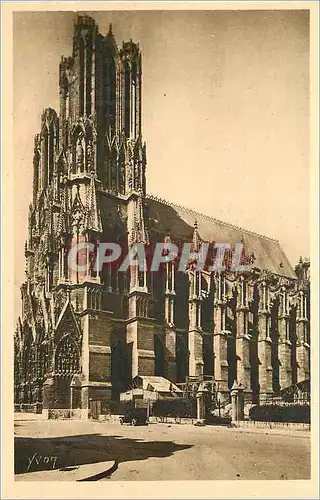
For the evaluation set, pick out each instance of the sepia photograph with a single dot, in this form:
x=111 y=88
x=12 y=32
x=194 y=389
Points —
x=163 y=286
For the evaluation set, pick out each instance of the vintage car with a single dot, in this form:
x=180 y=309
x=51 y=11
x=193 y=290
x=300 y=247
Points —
x=135 y=416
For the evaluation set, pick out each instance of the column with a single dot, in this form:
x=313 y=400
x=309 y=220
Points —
x=85 y=367
x=264 y=343
x=109 y=284
x=243 y=339
x=303 y=347
x=71 y=397
x=59 y=265
x=284 y=344
x=195 y=336
x=93 y=77
x=169 y=293
x=63 y=274
x=220 y=347
x=170 y=365
x=97 y=262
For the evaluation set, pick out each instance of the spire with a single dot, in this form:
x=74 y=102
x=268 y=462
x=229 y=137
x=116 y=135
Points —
x=111 y=42
x=139 y=233
x=195 y=247
x=302 y=270
x=196 y=240
x=93 y=217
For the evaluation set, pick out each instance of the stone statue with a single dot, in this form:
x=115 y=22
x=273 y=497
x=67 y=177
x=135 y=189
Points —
x=90 y=159
x=80 y=152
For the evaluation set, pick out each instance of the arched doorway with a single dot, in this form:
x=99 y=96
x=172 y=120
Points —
x=29 y=368
x=120 y=371
x=67 y=364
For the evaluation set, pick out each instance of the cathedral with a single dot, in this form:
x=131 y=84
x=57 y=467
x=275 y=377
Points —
x=85 y=336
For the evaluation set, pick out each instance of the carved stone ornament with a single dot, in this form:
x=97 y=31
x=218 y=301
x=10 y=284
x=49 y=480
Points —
x=90 y=156
x=80 y=151
x=67 y=356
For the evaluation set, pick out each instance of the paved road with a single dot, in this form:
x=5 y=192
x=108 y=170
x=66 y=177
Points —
x=162 y=451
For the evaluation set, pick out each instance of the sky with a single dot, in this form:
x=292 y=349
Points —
x=225 y=112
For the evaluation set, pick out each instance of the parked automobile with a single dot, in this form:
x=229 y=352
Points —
x=135 y=416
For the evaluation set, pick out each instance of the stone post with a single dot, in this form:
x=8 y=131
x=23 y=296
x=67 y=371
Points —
x=201 y=408
x=237 y=402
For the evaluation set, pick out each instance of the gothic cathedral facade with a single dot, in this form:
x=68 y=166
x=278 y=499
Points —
x=86 y=335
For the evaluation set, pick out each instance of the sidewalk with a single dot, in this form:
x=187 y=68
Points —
x=189 y=423
x=24 y=416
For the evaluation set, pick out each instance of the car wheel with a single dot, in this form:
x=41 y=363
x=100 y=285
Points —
x=134 y=422
x=121 y=421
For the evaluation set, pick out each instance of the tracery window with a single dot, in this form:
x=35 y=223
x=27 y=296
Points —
x=44 y=157
x=67 y=356
x=127 y=98
x=134 y=97
x=88 y=75
x=67 y=104
x=109 y=91
x=81 y=96
x=50 y=154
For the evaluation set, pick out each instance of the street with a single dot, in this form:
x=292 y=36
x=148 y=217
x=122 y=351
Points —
x=160 y=451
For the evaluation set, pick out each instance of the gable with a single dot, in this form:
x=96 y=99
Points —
x=67 y=323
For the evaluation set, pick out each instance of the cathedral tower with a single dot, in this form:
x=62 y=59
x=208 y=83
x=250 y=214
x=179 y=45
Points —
x=88 y=187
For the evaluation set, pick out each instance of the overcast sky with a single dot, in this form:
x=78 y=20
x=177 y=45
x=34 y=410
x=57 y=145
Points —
x=225 y=112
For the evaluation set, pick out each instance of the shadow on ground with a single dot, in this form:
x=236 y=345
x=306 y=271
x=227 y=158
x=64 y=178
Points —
x=85 y=449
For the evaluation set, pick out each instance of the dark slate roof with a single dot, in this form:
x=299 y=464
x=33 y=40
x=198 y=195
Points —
x=174 y=220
